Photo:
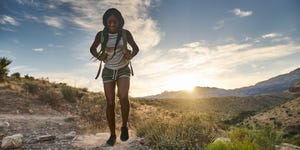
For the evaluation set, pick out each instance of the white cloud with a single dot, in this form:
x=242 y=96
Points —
x=271 y=35
x=8 y=20
x=53 y=21
x=232 y=47
x=282 y=39
x=252 y=54
x=31 y=17
x=240 y=13
x=135 y=12
x=38 y=49
x=194 y=44
x=52 y=6
x=276 y=37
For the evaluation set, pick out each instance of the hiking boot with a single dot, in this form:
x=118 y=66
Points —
x=124 y=134
x=112 y=140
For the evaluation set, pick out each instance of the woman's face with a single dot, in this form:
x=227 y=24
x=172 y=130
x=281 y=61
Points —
x=113 y=24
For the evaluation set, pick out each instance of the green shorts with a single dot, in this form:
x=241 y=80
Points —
x=109 y=75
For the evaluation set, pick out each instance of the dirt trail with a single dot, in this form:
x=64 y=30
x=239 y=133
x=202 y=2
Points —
x=34 y=126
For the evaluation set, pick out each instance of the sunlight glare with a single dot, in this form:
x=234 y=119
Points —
x=184 y=82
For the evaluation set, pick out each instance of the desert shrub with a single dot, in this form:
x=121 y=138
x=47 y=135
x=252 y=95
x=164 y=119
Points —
x=236 y=145
x=245 y=139
x=51 y=97
x=267 y=138
x=277 y=124
x=186 y=132
x=28 y=77
x=239 y=118
x=84 y=89
x=16 y=75
x=92 y=110
x=291 y=135
x=70 y=94
x=31 y=88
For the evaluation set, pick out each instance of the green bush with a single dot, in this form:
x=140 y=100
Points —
x=16 y=75
x=267 y=138
x=239 y=118
x=244 y=139
x=28 y=77
x=4 y=62
x=292 y=135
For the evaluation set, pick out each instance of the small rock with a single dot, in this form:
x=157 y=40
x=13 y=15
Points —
x=60 y=137
x=4 y=124
x=222 y=139
x=71 y=118
x=70 y=135
x=14 y=141
x=30 y=111
x=46 y=138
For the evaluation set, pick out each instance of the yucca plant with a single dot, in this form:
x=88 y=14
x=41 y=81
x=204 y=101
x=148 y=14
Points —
x=4 y=62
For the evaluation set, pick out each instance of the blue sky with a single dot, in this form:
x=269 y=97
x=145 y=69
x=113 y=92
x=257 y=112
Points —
x=226 y=44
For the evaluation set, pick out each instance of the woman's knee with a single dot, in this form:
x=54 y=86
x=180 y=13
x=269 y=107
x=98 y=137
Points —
x=110 y=103
x=124 y=100
x=123 y=96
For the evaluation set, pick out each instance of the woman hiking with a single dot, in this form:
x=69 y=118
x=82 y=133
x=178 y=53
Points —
x=116 y=72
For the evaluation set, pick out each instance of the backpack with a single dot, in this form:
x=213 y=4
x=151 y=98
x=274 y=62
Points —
x=103 y=55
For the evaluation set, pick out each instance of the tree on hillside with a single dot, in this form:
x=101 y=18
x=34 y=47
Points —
x=4 y=62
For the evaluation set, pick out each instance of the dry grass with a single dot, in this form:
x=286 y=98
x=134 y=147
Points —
x=166 y=124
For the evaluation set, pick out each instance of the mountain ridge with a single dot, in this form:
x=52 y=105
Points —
x=278 y=83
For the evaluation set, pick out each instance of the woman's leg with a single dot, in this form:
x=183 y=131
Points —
x=123 y=89
x=109 y=89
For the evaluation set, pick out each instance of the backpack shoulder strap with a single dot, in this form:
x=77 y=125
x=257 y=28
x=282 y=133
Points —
x=101 y=37
x=124 y=37
x=100 y=65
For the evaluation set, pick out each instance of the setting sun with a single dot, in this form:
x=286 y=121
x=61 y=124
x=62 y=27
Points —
x=183 y=82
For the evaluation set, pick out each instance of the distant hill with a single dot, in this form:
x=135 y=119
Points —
x=273 y=85
x=284 y=115
x=276 y=84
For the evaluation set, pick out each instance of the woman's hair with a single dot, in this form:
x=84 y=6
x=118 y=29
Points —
x=116 y=13
x=106 y=15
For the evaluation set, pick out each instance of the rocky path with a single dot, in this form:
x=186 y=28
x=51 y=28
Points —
x=57 y=133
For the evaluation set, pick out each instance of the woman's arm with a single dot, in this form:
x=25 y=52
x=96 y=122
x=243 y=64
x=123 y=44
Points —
x=130 y=40
x=95 y=45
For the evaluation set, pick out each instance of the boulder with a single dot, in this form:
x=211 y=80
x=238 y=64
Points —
x=14 y=141
x=287 y=146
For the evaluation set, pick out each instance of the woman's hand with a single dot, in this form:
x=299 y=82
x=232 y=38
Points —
x=128 y=56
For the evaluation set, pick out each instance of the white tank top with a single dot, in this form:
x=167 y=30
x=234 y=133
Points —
x=117 y=61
